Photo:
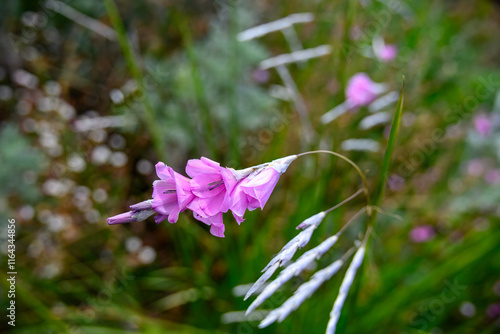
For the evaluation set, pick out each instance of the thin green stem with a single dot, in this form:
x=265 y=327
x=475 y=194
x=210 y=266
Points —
x=135 y=71
x=345 y=201
x=348 y=254
x=396 y=121
x=352 y=163
x=356 y=215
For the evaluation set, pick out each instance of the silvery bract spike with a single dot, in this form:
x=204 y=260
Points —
x=344 y=290
x=314 y=220
x=326 y=245
x=302 y=239
x=271 y=317
x=360 y=145
x=293 y=269
x=276 y=25
x=376 y=119
x=295 y=57
x=303 y=292
x=263 y=279
x=336 y=112
x=383 y=101
x=288 y=254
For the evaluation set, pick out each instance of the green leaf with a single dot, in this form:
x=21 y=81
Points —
x=396 y=121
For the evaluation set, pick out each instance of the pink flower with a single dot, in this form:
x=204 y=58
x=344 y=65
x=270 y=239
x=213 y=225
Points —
x=475 y=167
x=211 y=185
x=212 y=191
x=171 y=194
x=361 y=90
x=384 y=52
x=492 y=176
x=483 y=125
x=422 y=233
x=215 y=222
x=254 y=190
x=493 y=310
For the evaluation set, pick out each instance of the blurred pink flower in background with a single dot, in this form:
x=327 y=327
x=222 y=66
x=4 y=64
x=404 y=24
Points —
x=483 y=125
x=475 y=167
x=422 y=233
x=261 y=76
x=396 y=182
x=493 y=310
x=385 y=52
x=361 y=90
x=492 y=176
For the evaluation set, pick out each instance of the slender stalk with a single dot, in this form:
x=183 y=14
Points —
x=132 y=64
x=345 y=201
x=356 y=215
x=352 y=163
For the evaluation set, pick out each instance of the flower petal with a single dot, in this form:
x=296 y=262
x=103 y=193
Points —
x=159 y=218
x=217 y=230
x=160 y=187
x=163 y=171
x=207 y=185
x=165 y=204
x=204 y=165
x=239 y=219
x=262 y=186
x=211 y=206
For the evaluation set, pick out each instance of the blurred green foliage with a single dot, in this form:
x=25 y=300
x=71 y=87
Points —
x=21 y=166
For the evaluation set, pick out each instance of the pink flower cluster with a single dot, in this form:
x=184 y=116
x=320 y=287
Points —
x=210 y=191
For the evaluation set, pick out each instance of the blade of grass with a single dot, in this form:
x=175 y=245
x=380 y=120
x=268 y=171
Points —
x=396 y=121
x=149 y=116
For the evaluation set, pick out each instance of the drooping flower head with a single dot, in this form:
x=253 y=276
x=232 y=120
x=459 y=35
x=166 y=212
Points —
x=211 y=191
x=361 y=90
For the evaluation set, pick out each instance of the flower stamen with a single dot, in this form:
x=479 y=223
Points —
x=213 y=185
